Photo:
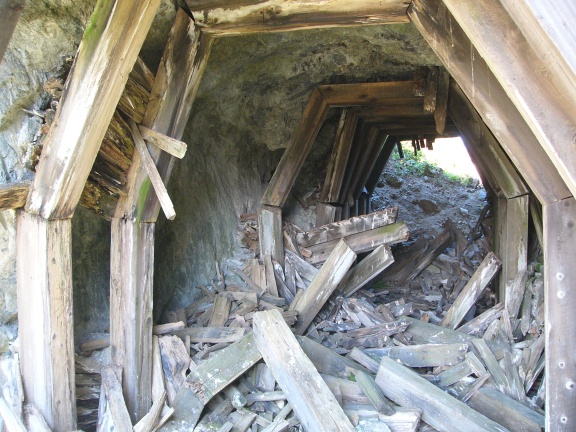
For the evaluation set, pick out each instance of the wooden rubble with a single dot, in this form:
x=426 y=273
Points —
x=374 y=352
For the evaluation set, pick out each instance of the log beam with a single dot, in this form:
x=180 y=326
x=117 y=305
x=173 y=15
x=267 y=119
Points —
x=10 y=11
x=482 y=88
x=560 y=302
x=45 y=318
x=547 y=105
x=105 y=57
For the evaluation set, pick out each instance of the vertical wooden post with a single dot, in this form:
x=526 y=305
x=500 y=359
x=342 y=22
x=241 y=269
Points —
x=511 y=246
x=560 y=303
x=45 y=318
x=270 y=232
x=131 y=272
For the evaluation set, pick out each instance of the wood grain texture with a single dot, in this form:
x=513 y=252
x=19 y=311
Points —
x=131 y=267
x=175 y=87
x=548 y=106
x=277 y=15
x=471 y=72
x=439 y=409
x=105 y=57
x=270 y=232
x=13 y=195
x=306 y=391
x=10 y=11
x=560 y=301
x=115 y=400
x=44 y=274
x=172 y=146
x=370 y=267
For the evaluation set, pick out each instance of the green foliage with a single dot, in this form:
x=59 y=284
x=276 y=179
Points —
x=417 y=164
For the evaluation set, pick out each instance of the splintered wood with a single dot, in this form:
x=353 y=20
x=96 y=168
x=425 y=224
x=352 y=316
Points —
x=355 y=343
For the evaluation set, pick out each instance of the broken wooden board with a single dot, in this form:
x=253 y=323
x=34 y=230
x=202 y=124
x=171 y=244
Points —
x=426 y=355
x=308 y=394
x=270 y=232
x=368 y=269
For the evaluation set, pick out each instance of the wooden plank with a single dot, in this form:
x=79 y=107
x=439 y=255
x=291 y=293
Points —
x=439 y=409
x=545 y=104
x=13 y=195
x=272 y=288
x=44 y=276
x=131 y=267
x=368 y=94
x=270 y=234
x=339 y=157
x=220 y=311
x=366 y=149
x=149 y=421
x=175 y=87
x=426 y=355
x=10 y=420
x=560 y=300
x=153 y=174
x=275 y=15
x=377 y=148
x=105 y=57
x=211 y=334
x=472 y=291
x=362 y=242
x=325 y=214
x=483 y=147
x=380 y=164
x=116 y=404
x=172 y=146
x=327 y=361
x=323 y=285
x=430 y=94
x=368 y=269
x=469 y=69
x=312 y=400
x=511 y=243
x=10 y=11
x=304 y=268
x=441 y=109
x=297 y=151
x=338 y=230
x=505 y=410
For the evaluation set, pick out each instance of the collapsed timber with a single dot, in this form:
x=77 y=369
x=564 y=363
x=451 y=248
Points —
x=331 y=342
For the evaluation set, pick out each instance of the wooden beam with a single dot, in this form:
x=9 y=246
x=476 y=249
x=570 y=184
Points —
x=131 y=272
x=511 y=243
x=380 y=163
x=471 y=72
x=368 y=269
x=171 y=146
x=10 y=11
x=560 y=302
x=13 y=195
x=548 y=105
x=105 y=57
x=281 y=15
x=270 y=233
x=45 y=317
x=312 y=400
x=369 y=94
x=375 y=150
x=483 y=147
x=177 y=81
x=441 y=108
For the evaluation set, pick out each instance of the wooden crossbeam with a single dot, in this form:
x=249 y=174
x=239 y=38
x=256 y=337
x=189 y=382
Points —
x=242 y=17
x=548 y=106
x=10 y=11
x=468 y=68
x=105 y=57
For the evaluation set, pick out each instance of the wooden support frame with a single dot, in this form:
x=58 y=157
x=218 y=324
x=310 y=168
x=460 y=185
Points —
x=10 y=11
x=461 y=59
x=105 y=57
x=547 y=105
x=45 y=317
x=560 y=302
x=241 y=17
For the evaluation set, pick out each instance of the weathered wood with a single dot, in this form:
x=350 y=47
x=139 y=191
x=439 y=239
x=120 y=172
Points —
x=105 y=57
x=380 y=163
x=472 y=291
x=211 y=334
x=361 y=242
x=325 y=214
x=10 y=11
x=441 y=108
x=489 y=359
x=175 y=362
x=34 y=420
x=560 y=300
x=477 y=325
x=471 y=72
x=116 y=404
x=427 y=355
x=172 y=146
x=208 y=379
x=483 y=147
x=327 y=361
x=354 y=225
x=543 y=103
x=220 y=311
x=304 y=268
x=10 y=420
x=439 y=410
x=373 y=392
x=511 y=243
x=296 y=152
x=368 y=269
x=149 y=421
x=272 y=288
x=506 y=411
x=323 y=285
x=131 y=267
x=369 y=94
x=270 y=233
x=369 y=149
x=175 y=87
x=275 y=15
x=312 y=400
x=44 y=275
x=161 y=329
x=134 y=100
x=13 y=195
x=339 y=157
